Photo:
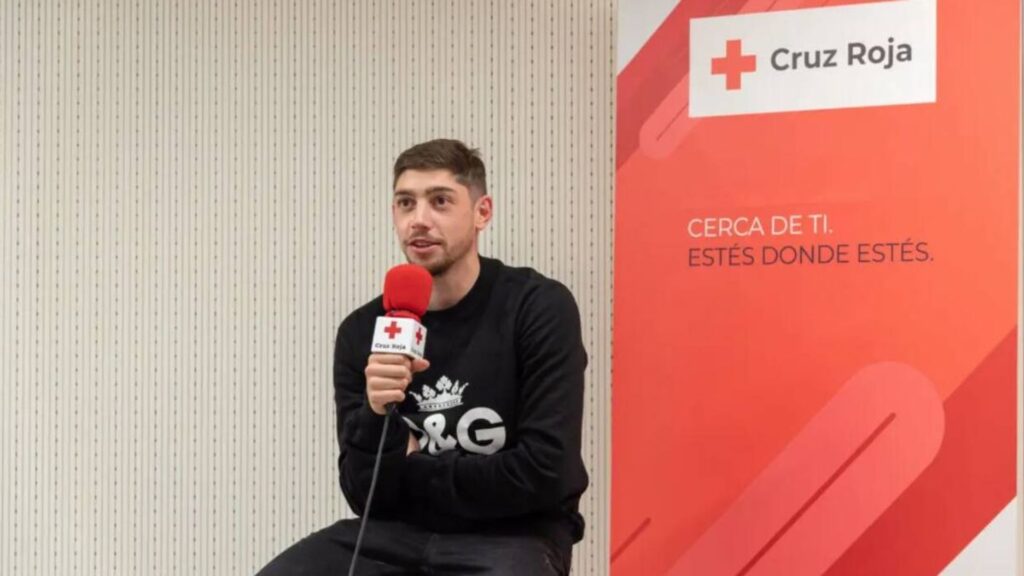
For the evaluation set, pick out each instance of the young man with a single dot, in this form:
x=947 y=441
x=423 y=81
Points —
x=481 y=473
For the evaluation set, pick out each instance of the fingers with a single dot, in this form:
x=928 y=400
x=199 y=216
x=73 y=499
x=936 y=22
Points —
x=395 y=371
x=379 y=384
x=394 y=366
x=383 y=390
x=387 y=359
x=380 y=399
x=388 y=366
x=387 y=376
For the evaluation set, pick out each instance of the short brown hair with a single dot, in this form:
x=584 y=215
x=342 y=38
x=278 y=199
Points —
x=442 y=154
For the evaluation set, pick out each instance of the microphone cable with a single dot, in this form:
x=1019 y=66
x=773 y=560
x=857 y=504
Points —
x=369 y=496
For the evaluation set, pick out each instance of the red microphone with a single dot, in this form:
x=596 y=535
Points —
x=407 y=291
x=406 y=297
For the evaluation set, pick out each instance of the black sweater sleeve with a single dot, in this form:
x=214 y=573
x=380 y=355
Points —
x=543 y=468
x=359 y=430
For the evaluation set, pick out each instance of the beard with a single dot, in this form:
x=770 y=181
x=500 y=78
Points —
x=442 y=262
x=436 y=266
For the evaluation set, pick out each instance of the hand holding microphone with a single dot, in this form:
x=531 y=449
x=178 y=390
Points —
x=387 y=376
x=396 y=354
x=398 y=337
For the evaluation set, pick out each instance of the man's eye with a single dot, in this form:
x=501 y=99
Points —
x=441 y=201
x=403 y=202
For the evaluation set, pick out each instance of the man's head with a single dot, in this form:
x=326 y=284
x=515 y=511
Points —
x=440 y=203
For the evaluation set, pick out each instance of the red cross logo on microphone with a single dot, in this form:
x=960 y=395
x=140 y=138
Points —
x=734 y=64
x=392 y=330
x=419 y=336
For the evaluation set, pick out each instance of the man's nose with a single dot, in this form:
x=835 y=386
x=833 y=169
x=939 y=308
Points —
x=421 y=216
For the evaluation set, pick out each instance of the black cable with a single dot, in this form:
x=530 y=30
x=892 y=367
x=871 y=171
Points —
x=369 y=496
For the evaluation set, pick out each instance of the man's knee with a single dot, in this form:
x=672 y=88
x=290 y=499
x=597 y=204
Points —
x=314 y=555
x=503 y=555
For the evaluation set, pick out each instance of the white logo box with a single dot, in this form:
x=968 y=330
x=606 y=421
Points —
x=399 y=336
x=815 y=32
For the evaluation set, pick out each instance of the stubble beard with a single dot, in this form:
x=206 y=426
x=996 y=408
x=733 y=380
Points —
x=449 y=256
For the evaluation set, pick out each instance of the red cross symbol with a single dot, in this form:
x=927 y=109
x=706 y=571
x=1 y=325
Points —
x=733 y=64
x=419 y=336
x=392 y=330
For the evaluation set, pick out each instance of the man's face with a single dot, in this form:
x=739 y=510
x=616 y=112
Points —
x=436 y=218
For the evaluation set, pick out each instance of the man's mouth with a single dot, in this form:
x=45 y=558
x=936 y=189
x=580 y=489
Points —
x=422 y=243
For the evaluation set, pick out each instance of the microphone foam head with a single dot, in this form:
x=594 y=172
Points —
x=407 y=290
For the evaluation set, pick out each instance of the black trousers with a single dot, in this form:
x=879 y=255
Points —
x=391 y=547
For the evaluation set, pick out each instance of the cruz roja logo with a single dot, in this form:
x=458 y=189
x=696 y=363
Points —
x=856 y=54
x=735 y=63
x=827 y=58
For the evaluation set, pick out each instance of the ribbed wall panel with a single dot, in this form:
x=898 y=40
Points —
x=192 y=197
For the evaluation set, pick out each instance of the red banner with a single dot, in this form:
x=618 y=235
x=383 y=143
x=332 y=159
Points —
x=816 y=289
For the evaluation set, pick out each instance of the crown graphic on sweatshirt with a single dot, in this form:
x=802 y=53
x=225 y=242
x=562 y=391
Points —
x=442 y=396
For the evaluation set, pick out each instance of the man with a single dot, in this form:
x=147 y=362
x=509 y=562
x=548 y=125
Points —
x=481 y=473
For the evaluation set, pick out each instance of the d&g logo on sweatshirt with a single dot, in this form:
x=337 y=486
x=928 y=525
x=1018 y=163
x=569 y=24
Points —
x=480 y=430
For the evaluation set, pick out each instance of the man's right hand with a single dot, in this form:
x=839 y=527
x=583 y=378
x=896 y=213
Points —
x=387 y=376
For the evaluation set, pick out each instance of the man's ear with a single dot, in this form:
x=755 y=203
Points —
x=483 y=210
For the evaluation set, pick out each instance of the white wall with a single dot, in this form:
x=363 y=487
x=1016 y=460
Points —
x=194 y=194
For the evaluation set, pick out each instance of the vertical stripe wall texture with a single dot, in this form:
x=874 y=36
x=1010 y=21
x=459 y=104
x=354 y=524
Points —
x=194 y=194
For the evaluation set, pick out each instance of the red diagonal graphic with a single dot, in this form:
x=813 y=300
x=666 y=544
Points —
x=657 y=68
x=971 y=480
x=632 y=537
x=817 y=494
x=850 y=461
x=664 y=61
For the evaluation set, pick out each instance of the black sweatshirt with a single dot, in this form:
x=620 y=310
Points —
x=498 y=414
